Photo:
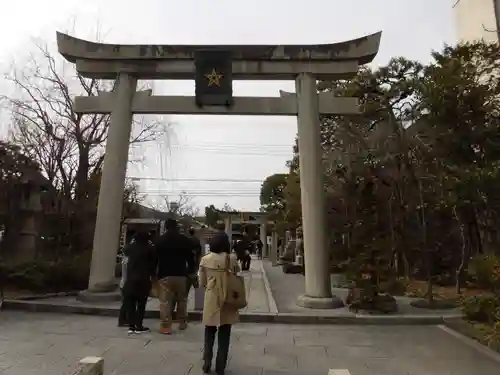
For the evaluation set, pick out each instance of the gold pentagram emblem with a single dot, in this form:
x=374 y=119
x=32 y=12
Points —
x=214 y=78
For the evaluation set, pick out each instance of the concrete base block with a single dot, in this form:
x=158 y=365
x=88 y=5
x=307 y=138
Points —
x=309 y=302
x=98 y=297
x=90 y=366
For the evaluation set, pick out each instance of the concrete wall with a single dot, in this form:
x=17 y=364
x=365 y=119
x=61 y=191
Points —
x=477 y=19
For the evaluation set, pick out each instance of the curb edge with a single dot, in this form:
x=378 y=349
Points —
x=282 y=318
x=273 y=307
x=470 y=342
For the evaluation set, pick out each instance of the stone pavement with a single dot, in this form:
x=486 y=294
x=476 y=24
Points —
x=285 y=288
x=257 y=296
x=272 y=297
x=52 y=344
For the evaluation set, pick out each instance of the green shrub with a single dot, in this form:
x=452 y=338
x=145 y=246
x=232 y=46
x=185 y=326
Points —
x=480 y=308
x=50 y=276
x=483 y=271
x=494 y=337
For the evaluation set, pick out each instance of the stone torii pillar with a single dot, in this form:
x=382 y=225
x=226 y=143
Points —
x=110 y=205
x=263 y=239
x=228 y=228
x=318 y=291
x=273 y=254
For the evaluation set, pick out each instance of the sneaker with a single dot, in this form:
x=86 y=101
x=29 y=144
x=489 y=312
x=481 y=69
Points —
x=142 y=330
x=131 y=331
x=166 y=331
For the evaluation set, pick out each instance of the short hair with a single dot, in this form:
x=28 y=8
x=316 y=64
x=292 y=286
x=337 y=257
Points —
x=219 y=243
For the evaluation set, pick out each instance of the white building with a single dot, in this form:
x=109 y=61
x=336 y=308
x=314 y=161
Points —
x=477 y=19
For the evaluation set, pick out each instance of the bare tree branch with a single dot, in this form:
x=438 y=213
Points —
x=68 y=146
x=183 y=206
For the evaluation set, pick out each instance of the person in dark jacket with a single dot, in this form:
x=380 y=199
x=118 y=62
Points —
x=141 y=268
x=175 y=259
x=259 y=246
x=192 y=276
x=242 y=250
x=196 y=253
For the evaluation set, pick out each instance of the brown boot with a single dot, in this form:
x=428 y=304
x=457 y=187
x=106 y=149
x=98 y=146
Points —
x=183 y=326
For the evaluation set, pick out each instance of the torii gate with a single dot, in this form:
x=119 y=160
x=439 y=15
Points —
x=247 y=217
x=302 y=63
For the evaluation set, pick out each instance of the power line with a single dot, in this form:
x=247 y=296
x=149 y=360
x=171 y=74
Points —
x=238 y=195
x=235 y=145
x=226 y=196
x=239 y=149
x=181 y=191
x=225 y=189
x=252 y=153
x=199 y=191
x=134 y=178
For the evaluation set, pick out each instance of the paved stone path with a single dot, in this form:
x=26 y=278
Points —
x=52 y=344
x=255 y=288
x=285 y=289
x=257 y=295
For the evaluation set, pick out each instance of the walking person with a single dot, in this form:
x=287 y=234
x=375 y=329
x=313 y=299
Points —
x=218 y=317
x=259 y=245
x=140 y=270
x=175 y=259
x=243 y=251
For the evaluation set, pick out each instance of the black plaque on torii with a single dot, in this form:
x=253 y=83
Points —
x=214 y=81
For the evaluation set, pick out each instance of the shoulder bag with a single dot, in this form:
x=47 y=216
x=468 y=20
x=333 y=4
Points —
x=236 y=294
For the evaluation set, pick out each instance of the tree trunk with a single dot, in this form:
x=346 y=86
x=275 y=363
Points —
x=460 y=268
x=430 y=297
x=477 y=232
x=429 y=293
x=394 y=256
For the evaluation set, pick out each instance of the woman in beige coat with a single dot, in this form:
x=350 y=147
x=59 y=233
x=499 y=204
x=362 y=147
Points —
x=217 y=317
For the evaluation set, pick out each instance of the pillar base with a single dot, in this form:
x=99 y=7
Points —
x=98 y=297
x=309 y=302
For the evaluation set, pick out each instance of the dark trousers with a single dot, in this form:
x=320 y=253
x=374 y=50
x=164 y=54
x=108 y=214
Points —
x=245 y=262
x=123 y=318
x=259 y=253
x=223 y=338
x=135 y=299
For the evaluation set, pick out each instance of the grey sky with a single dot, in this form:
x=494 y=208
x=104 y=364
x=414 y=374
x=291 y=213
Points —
x=210 y=147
